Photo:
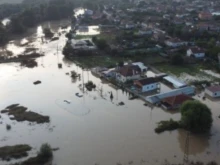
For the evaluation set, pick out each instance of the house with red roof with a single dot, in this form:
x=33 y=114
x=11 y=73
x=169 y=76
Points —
x=196 y=52
x=147 y=84
x=213 y=91
x=174 y=102
x=128 y=72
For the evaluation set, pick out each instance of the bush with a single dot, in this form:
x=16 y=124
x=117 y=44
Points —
x=45 y=151
x=8 y=127
x=90 y=85
x=167 y=125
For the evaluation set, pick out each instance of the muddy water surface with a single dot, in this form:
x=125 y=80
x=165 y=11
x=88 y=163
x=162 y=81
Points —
x=91 y=129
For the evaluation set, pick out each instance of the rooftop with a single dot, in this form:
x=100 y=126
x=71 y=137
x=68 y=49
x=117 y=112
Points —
x=146 y=81
x=214 y=88
x=129 y=70
x=176 y=100
x=176 y=83
x=197 y=50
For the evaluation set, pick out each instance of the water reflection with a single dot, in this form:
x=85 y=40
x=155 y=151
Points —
x=197 y=144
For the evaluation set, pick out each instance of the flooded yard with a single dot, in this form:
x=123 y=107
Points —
x=90 y=129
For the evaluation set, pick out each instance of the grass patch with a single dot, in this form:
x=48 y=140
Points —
x=167 y=126
x=178 y=69
x=94 y=61
x=16 y=152
x=20 y=113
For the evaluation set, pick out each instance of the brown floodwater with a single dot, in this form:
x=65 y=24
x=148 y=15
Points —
x=91 y=129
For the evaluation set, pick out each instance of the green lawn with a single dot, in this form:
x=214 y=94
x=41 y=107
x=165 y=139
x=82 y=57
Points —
x=177 y=70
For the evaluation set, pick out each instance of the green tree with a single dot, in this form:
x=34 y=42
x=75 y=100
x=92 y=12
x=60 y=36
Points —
x=45 y=151
x=3 y=34
x=177 y=59
x=196 y=117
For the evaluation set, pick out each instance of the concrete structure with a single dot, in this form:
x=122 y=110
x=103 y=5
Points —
x=195 y=52
x=147 y=84
x=213 y=91
x=128 y=72
x=174 y=82
x=159 y=97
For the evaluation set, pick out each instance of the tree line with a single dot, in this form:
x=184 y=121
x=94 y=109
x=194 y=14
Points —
x=31 y=13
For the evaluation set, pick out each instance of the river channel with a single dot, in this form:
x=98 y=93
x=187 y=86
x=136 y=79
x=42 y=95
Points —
x=91 y=129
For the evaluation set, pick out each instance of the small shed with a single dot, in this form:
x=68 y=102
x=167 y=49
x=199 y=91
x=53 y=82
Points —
x=174 y=82
x=213 y=91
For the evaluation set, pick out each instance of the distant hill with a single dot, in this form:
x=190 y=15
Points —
x=10 y=1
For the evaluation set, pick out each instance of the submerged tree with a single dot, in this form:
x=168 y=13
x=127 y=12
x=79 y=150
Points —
x=196 y=117
x=45 y=151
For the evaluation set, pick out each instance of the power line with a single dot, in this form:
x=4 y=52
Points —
x=186 y=151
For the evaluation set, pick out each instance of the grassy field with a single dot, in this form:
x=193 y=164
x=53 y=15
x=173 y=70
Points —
x=94 y=61
x=177 y=70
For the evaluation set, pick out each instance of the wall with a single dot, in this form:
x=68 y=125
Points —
x=212 y=94
x=150 y=87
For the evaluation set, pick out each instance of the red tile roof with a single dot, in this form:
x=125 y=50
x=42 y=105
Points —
x=197 y=50
x=129 y=70
x=176 y=100
x=214 y=88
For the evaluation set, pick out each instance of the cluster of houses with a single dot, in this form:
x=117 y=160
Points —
x=134 y=78
x=149 y=88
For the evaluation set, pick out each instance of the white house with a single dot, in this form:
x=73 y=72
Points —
x=195 y=52
x=128 y=72
x=175 y=42
x=147 y=84
x=141 y=66
x=213 y=91
x=82 y=44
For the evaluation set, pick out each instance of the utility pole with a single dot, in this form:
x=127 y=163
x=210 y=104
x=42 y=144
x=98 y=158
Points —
x=186 y=151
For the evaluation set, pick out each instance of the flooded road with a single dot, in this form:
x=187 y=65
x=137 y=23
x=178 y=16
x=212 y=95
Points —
x=91 y=129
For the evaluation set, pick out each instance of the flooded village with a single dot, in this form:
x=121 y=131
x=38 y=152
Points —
x=94 y=88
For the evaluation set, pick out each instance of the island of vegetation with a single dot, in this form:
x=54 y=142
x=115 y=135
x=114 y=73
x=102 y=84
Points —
x=15 y=152
x=20 y=113
x=196 y=117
